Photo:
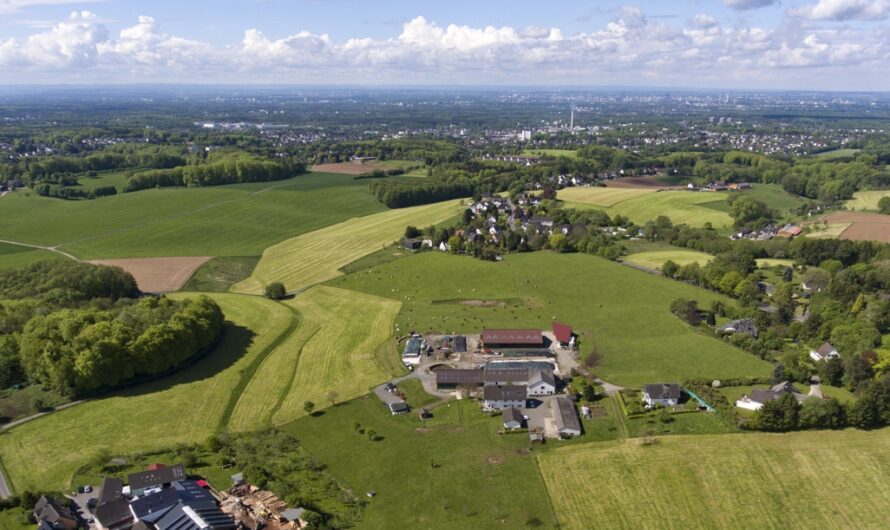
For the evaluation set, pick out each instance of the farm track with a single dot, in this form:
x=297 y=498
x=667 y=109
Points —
x=39 y=247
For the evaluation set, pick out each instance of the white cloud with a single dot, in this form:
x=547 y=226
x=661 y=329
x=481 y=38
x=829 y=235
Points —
x=629 y=49
x=13 y=6
x=749 y=4
x=845 y=10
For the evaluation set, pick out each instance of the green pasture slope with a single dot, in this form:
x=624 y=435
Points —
x=15 y=256
x=235 y=220
x=620 y=312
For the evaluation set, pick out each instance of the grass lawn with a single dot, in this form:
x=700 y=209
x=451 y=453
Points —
x=342 y=343
x=825 y=479
x=16 y=256
x=866 y=200
x=765 y=263
x=375 y=258
x=620 y=312
x=185 y=407
x=109 y=178
x=837 y=153
x=15 y=519
x=235 y=220
x=454 y=472
x=219 y=274
x=685 y=423
x=841 y=394
x=776 y=198
x=655 y=259
x=316 y=257
x=568 y=153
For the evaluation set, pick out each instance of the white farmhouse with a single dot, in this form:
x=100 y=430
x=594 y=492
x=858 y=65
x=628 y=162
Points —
x=825 y=352
x=542 y=383
x=664 y=394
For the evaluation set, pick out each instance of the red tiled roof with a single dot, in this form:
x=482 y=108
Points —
x=512 y=336
x=562 y=332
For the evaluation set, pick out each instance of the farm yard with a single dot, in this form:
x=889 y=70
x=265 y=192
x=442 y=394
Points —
x=617 y=311
x=866 y=200
x=826 y=479
x=158 y=275
x=655 y=259
x=211 y=221
x=317 y=256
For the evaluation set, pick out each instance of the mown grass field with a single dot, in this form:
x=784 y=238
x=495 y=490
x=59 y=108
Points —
x=619 y=312
x=185 y=407
x=109 y=178
x=655 y=259
x=343 y=343
x=218 y=274
x=826 y=230
x=316 y=257
x=236 y=220
x=772 y=262
x=15 y=256
x=568 y=153
x=826 y=479
x=454 y=471
x=837 y=153
x=693 y=208
x=866 y=200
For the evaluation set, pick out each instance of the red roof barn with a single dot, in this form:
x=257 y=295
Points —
x=562 y=332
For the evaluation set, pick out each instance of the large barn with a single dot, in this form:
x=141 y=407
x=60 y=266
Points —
x=511 y=338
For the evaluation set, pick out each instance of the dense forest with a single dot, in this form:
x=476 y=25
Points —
x=77 y=328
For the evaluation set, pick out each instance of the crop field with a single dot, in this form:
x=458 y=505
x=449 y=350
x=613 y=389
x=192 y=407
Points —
x=236 y=220
x=645 y=182
x=316 y=257
x=335 y=347
x=602 y=196
x=655 y=259
x=185 y=407
x=866 y=200
x=619 y=312
x=454 y=471
x=158 y=275
x=825 y=479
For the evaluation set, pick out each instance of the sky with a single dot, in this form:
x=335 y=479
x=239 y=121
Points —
x=733 y=44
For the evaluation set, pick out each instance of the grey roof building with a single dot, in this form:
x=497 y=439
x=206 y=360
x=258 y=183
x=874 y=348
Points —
x=566 y=417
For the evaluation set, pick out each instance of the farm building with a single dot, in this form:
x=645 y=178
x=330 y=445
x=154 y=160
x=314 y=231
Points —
x=564 y=335
x=760 y=397
x=825 y=352
x=498 y=377
x=504 y=397
x=541 y=383
x=399 y=407
x=513 y=419
x=512 y=338
x=452 y=378
x=50 y=513
x=549 y=366
x=665 y=394
x=567 y=423
x=460 y=344
x=154 y=478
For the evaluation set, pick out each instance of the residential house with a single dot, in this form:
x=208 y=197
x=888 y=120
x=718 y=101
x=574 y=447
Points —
x=759 y=397
x=542 y=383
x=825 y=352
x=504 y=397
x=512 y=419
x=114 y=515
x=51 y=513
x=566 y=417
x=743 y=325
x=664 y=394
x=154 y=479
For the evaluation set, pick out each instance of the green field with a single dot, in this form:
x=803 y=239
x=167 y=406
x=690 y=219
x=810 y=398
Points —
x=866 y=200
x=826 y=230
x=693 y=208
x=620 y=312
x=219 y=274
x=235 y=220
x=317 y=256
x=186 y=407
x=837 y=153
x=825 y=479
x=568 y=153
x=454 y=471
x=15 y=256
x=764 y=263
x=343 y=343
x=110 y=178
x=655 y=259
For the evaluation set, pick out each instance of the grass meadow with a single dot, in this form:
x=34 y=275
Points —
x=185 y=407
x=620 y=313
x=234 y=220
x=655 y=259
x=315 y=257
x=568 y=153
x=16 y=256
x=825 y=479
x=866 y=200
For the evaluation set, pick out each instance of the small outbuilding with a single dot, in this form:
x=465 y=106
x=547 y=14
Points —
x=513 y=419
x=566 y=417
x=399 y=407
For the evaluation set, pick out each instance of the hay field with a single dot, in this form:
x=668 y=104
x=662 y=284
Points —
x=866 y=200
x=335 y=347
x=185 y=407
x=805 y=480
x=642 y=204
x=601 y=196
x=655 y=259
x=315 y=257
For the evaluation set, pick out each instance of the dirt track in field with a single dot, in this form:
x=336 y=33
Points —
x=864 y=227
x=158 y=275
x=639 y=182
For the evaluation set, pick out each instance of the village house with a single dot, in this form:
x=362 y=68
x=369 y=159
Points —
x=504 y=397
x=743 y=325
x=825 y=352
x=663 y=394
x=512 y=419
x=542 y=383
x=760 y=397
x=566 y=417
x=50 y=514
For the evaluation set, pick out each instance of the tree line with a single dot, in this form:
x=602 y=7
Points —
x=402 y=193
x=237 y=168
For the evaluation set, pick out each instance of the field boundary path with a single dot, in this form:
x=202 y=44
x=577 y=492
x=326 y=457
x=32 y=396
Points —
x=39 y=247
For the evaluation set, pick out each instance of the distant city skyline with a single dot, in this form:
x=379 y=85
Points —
x=720 y=44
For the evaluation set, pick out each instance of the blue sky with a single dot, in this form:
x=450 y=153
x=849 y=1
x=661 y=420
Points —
x=822 y=44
